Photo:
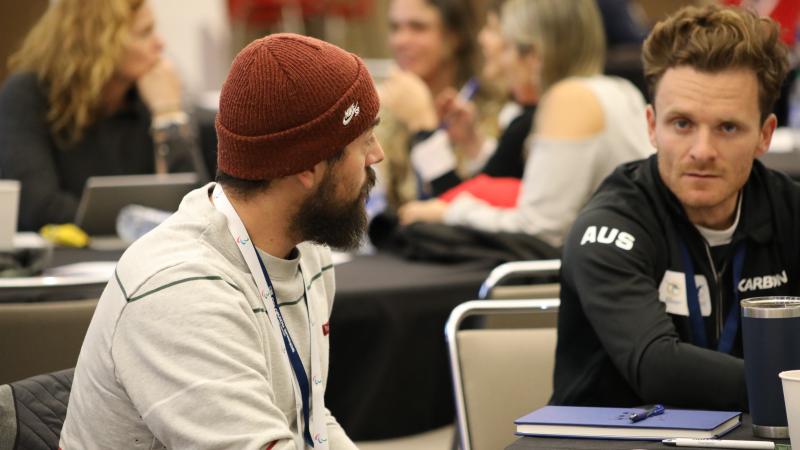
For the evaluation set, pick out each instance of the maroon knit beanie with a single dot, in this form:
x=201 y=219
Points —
x=289 y=102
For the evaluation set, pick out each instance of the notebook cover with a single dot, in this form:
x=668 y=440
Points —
x=682 y=419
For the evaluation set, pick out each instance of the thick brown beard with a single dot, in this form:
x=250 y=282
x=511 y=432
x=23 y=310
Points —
x=324 y=219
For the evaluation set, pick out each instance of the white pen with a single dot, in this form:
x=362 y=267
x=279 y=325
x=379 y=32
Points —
x=718 y=443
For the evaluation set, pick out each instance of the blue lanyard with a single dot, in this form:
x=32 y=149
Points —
x=729 y=330
x=291 y=350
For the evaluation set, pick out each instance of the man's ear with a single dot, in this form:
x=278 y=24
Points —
x=311 y=177
x=650 y=115
x=765 y=137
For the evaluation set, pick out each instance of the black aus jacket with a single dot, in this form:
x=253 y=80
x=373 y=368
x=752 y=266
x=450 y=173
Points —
x=624 y=335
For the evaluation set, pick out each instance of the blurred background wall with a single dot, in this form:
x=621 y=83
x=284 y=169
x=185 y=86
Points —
x=203 y=35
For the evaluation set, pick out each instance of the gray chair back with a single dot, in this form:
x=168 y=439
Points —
x=499 y=374
x=41 y=337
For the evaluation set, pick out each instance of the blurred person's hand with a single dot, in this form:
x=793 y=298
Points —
x=409 y=99
x=460 y=118
x=160 y=89
x=422 y=211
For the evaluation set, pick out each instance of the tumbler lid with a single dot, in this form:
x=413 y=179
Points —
x=771 y=307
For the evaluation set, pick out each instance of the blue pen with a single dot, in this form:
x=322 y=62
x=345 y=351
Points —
x=469 y=89
x=466 y=93
x=640 y=416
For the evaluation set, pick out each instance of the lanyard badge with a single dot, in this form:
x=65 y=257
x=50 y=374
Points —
x=729 y=330
x=309 y=398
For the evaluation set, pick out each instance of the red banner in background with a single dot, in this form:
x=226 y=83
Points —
x=265 y=12
x=785 y=12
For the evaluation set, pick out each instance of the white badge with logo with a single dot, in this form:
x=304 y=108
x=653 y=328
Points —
x=672 y=292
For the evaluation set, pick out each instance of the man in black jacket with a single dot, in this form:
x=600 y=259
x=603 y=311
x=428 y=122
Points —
x=655 y=265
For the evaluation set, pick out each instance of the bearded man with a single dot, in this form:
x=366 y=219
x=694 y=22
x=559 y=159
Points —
x=213 y=333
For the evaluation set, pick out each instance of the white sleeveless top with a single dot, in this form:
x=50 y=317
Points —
x=561 y=175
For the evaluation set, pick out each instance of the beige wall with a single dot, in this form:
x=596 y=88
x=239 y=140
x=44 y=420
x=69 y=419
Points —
x=656 y=10
x=366 y=36
x=16 y=18
x=197 y=40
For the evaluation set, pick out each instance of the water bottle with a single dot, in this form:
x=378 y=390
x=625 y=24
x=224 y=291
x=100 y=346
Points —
x=134 y=221
x=376 y=203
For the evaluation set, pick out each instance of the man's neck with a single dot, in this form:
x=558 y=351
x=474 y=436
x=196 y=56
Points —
x=718 y=217
x=266 y=219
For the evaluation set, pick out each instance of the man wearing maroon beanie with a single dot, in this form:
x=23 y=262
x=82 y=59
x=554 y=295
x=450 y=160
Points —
x=213 y=333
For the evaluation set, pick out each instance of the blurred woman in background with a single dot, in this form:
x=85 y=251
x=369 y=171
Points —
x=433 y=158
x=90 y=94
x=435 y=40
x=433 y=45
x=585 y=124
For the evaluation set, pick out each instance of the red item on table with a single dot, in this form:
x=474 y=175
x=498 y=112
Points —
x=499 y=192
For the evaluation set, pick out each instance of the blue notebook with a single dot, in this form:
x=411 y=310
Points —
x=613 y=423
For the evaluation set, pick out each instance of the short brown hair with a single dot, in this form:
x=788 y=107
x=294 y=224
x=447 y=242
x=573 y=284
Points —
x=715 y=38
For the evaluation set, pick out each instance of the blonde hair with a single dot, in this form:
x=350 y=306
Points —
x=566 y=35
x=74 y=50
x=715 y=38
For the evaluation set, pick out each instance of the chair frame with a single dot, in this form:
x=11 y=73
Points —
x=517 y=268
x=457 y=316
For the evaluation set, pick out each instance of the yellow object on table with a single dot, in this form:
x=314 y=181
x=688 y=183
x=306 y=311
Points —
x=68 y=235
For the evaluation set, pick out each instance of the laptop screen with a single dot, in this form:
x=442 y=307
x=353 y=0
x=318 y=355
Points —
x=103 y=197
